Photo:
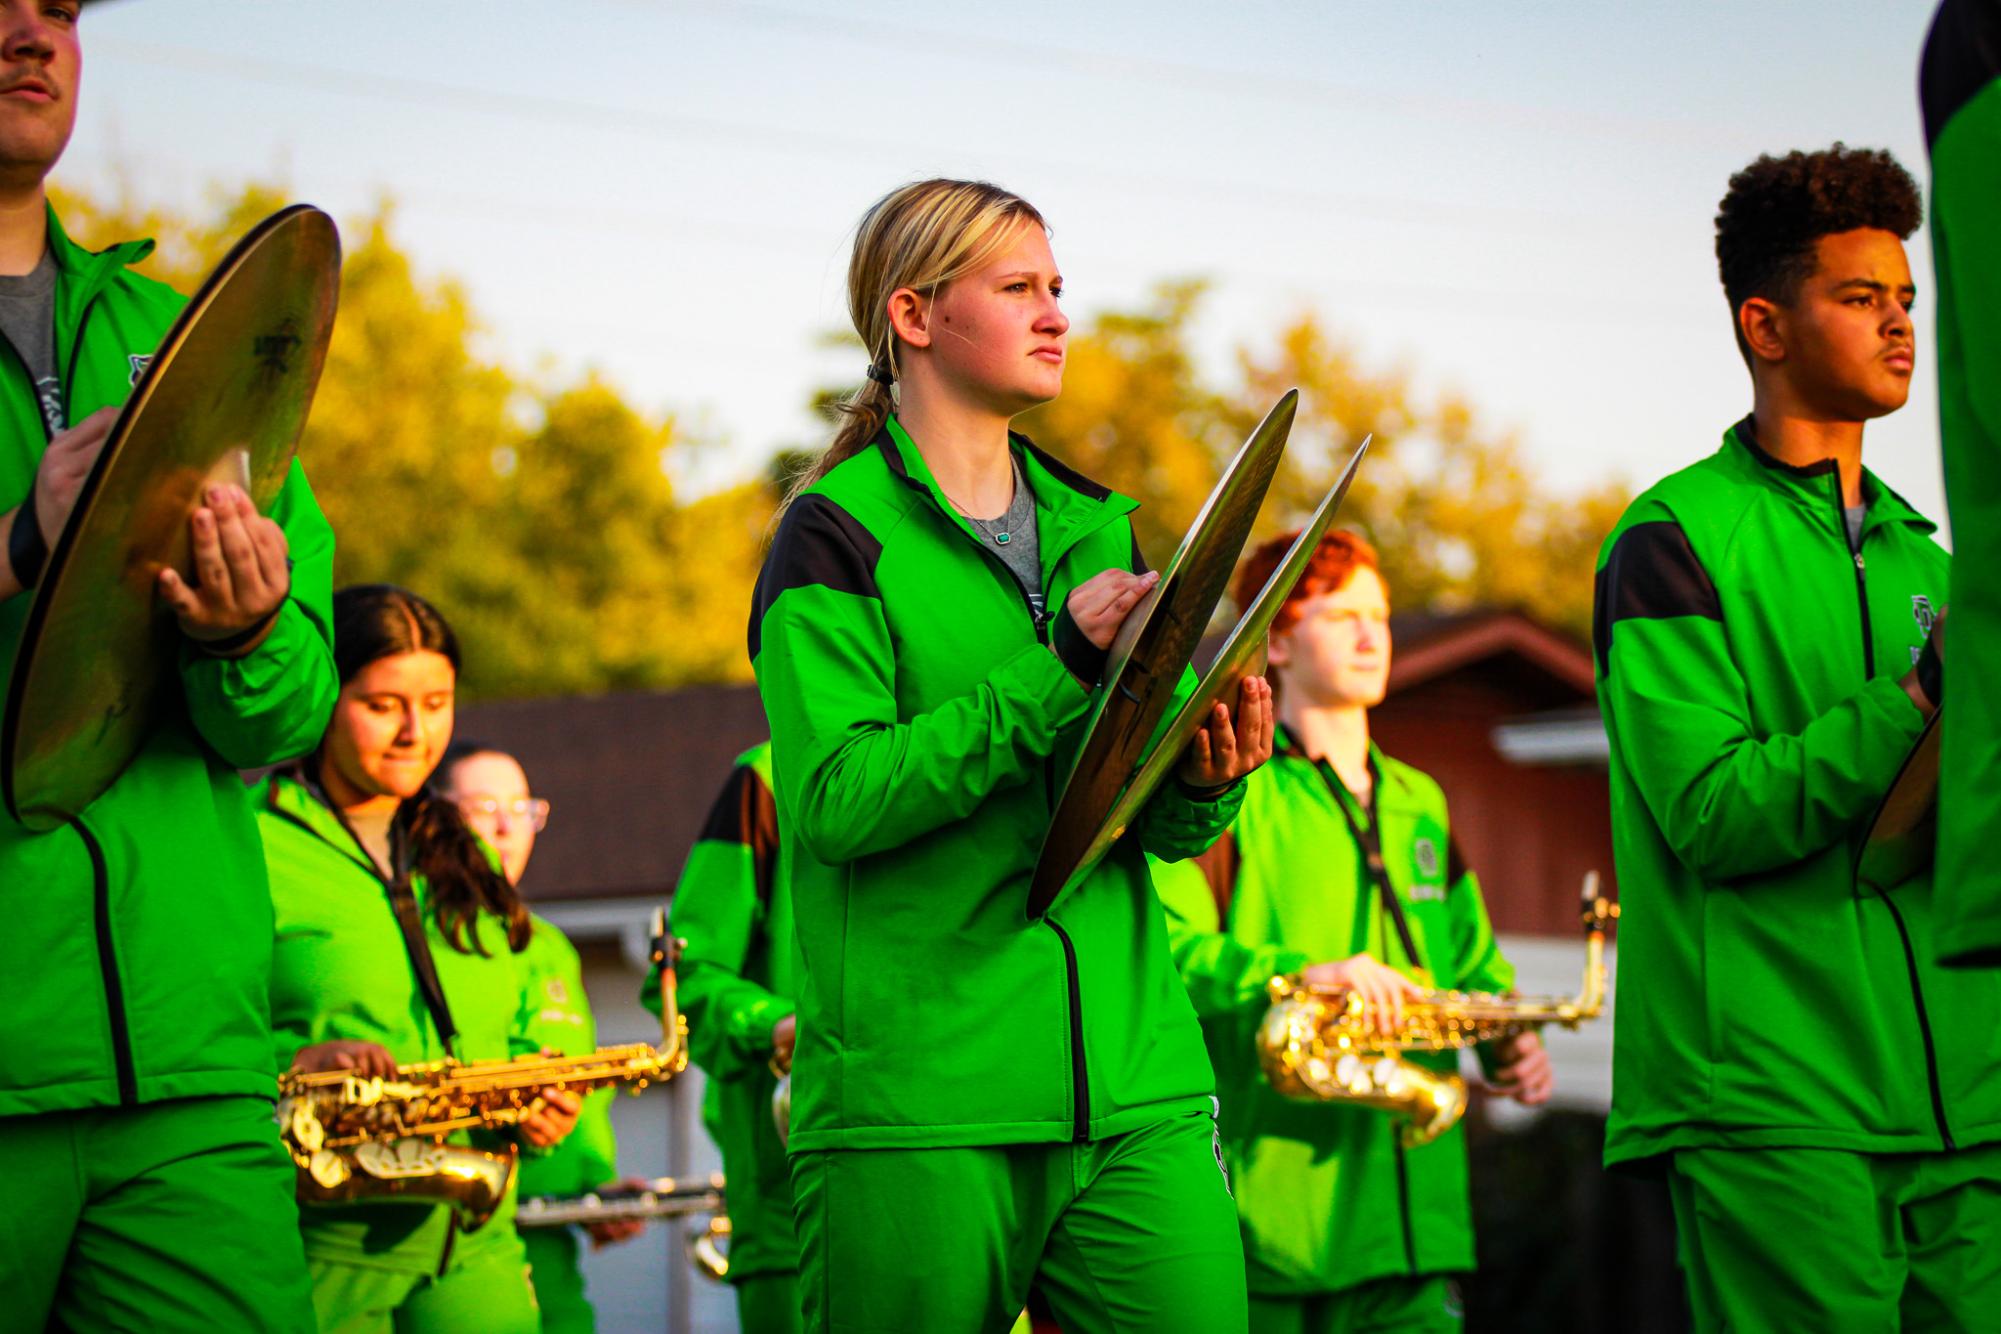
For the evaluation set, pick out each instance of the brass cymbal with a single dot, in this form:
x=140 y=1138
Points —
x=1242 y=654
x=1151 y=651
x=1902 y=834
x=224 y=399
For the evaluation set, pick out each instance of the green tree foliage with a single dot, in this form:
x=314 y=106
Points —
x=541 y=517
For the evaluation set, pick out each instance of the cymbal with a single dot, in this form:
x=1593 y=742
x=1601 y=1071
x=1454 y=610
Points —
x=1152 y=650
x=1242 y=654
x=224 y=399
x=1903 y=833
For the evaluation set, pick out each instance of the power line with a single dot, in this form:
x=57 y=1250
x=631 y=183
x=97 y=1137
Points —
x=685 y=128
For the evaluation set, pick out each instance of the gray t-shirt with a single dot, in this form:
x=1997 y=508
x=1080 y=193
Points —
x=1012 y=537
x=1855 y=515
x=28 y=321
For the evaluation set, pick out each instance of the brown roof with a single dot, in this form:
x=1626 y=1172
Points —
x=630 y=777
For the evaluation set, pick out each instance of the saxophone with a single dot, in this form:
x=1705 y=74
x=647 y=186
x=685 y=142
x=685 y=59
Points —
x=1321 y=1045
x=368 y=1139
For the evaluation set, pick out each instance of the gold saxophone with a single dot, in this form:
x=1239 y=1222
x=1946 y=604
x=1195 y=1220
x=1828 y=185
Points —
x=368 y=1139
x=1321 y=1044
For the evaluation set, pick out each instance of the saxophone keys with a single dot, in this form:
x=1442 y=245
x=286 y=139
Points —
x=328 y=1169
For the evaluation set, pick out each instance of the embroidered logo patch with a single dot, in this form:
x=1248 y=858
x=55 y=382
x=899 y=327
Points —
x=1426 y=853
x=1922 y=613
x=139 y=365
x=557 y=992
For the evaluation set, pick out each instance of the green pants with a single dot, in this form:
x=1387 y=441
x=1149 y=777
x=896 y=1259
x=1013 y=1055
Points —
x=1128 y=1233
x=1798 y=1239
x=555 y=1270
x=1427 y=1305
x=768 y=1304
x=486 y=1292
x=171 y=1216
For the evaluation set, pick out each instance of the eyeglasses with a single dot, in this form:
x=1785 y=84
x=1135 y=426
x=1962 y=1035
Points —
x=534 y=810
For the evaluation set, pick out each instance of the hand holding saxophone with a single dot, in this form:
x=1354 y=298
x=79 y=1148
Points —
x=1380 y=986
x=554 y=1116
x=364 y=1058
x=1523 y=1070
x=784 y=1035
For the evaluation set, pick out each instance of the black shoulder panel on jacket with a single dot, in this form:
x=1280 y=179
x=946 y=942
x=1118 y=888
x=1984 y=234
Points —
x=1139 y=557
x=1456 y=868
x=746 y=813
x=1651 y=574
x=1962 y=56
x=818 y=543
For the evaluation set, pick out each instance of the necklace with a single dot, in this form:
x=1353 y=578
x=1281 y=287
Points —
x=996 y=529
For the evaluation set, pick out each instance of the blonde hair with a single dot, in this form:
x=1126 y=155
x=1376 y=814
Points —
x=921 y=236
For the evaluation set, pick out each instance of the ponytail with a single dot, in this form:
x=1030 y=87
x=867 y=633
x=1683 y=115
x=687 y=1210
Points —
x=463 y=881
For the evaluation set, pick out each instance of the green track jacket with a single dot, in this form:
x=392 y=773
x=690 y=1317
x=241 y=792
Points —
x=1961 y=90
x=340 y=971
x=1747 y=672
x=733 y=907
x=559 y=1018
x=920 y=728
x=1327 y=1196
x=145 y=924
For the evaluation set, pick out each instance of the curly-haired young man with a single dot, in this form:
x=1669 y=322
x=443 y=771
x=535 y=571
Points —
x=1816 y=1090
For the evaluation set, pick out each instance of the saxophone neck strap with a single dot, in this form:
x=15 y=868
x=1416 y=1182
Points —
x=403 y=903
x=1368 y=837
x=410 y=920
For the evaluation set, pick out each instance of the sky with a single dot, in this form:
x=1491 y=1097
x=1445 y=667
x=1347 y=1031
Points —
x=1514 y=202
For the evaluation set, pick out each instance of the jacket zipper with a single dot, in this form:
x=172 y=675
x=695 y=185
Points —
x=107 y=963
x=1403 y=1204
x=1080 y=1125
x=1924 y=1022
x=1861 y=581
x=1896 y=915
x=1081 y=1117
x=75 y=351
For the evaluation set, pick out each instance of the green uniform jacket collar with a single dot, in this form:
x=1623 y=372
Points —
x=287 y=795
x=1069 y=505
x=82 y=274
x=1811 y=487
x=1393 y=788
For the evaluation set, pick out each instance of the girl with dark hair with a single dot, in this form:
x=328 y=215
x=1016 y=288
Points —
x=397 y=942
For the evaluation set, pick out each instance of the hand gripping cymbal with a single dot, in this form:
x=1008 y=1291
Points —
x=1242 y=654
x=1152 y=649
x=224 y=399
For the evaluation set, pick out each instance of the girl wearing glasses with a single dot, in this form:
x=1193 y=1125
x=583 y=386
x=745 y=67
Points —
x=397 y=942
x=490 y=789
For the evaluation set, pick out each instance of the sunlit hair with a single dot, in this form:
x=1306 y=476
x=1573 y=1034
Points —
x=921 y=236
x=1328 y=570
x=376 y=621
